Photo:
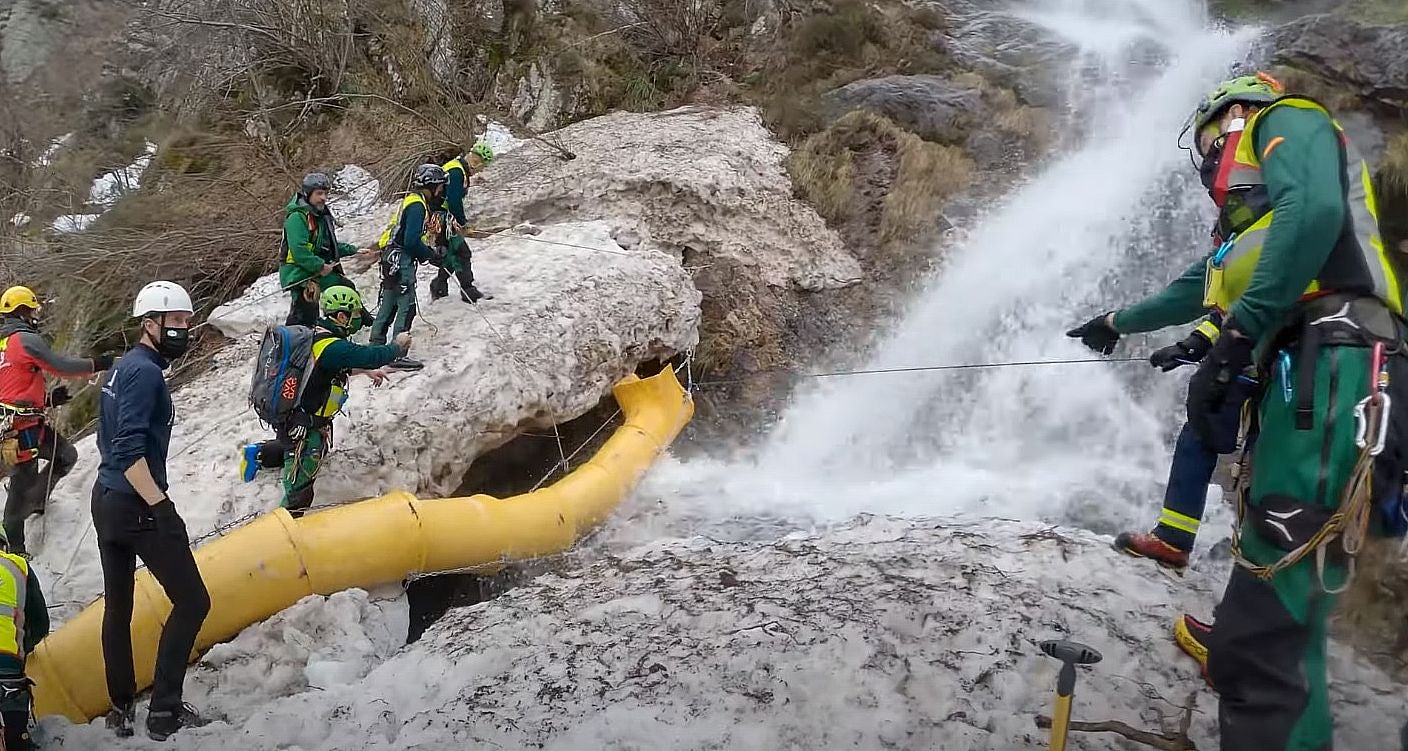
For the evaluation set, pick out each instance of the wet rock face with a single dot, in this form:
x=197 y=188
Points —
x=1010 y=51
x=1372 y=60
x=931 y=107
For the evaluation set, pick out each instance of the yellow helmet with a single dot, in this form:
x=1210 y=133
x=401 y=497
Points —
x=18 y=297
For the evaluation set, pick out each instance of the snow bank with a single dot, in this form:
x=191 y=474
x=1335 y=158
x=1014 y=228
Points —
x=882 y=633
x=318 y=643
x=52 y=150
x=698 y=182
x=110 y=186
x=354 y=193
x=573 y=313
x=500 y=139
x=74 y=222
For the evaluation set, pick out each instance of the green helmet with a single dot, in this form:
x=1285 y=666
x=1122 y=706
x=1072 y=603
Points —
x=340 y=300
x=1259 y=89
x=483 y=151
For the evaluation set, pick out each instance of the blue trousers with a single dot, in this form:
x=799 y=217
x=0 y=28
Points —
x=1194 y=460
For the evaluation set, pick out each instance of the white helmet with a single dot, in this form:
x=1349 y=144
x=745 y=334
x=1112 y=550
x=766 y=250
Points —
x=161 y=297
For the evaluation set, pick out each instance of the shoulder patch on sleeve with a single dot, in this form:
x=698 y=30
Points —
x=1271 y=146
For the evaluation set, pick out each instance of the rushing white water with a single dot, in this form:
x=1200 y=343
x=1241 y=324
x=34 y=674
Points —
x=1110 y=220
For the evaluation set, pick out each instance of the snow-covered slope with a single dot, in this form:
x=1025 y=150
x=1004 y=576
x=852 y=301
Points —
x=573 y=313
x=882 y=633
x=700 y=182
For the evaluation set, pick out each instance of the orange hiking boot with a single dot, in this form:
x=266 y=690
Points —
x=1148 y=545
x=1191 y=635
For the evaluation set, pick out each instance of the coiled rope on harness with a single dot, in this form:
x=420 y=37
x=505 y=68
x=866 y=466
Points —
x=1349 y=524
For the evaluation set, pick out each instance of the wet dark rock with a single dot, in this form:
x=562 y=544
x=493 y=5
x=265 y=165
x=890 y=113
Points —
x=932 y=107
x=1372 y=60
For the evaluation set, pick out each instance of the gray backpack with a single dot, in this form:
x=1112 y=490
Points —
x=281 y=372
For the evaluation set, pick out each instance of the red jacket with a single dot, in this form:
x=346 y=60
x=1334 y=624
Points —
x=24 y=359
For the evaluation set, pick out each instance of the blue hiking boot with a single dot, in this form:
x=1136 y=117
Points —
x=249 y=461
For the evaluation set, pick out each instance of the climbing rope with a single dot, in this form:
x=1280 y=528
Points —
x=923 y=368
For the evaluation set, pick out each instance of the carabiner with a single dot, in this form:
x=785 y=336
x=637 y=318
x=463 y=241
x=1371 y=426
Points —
x=1361 y=424
x=1283 y=362
x=1223 y=250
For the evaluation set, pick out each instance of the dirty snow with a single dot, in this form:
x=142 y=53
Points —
x=318 y=643
x=74 y=222
x=110 y=186
x=52 y=150
x=698 y=182
x=573 y=313
x=354 y=194
x=880 y=633
x=500 y=139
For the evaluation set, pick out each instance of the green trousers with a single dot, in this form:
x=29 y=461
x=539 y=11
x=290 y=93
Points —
x=1266 y=653
x=302 y=464
x=396 y=304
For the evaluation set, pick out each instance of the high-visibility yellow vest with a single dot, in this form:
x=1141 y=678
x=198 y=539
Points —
x=1359 y=261
x=456 y=163
x=394 y=227
x=337 y=391
x=14 y=586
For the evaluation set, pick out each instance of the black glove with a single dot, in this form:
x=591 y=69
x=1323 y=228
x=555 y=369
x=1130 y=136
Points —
x=1097 y=334
x=58 y=397
x=167 y=520
x=1209 y=387
x=102 y=362
x=1190 y=351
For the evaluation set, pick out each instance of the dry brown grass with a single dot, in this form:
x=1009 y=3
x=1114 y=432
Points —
x=929 y=175
x=1393 y=170
x=922 y=177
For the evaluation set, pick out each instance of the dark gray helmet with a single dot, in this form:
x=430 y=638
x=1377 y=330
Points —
x=428 y=175
x=315 y=181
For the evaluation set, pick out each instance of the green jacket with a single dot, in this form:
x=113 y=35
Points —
x=1303 y=177
x=309 y=243
x=455 y=192
x=334 y=366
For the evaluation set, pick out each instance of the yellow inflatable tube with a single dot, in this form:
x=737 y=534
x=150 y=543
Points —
x=274 y=561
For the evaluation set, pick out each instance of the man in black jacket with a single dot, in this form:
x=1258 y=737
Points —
x=135 y=518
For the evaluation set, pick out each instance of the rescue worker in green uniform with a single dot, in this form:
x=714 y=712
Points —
x=1311 y=302
x=456 y=258
x=407 y=242
x=301 y=446
x=311 y=257
x=24 y=622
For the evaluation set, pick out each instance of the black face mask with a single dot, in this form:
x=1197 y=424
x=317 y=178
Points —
x=172 y=342
x=1207 y=171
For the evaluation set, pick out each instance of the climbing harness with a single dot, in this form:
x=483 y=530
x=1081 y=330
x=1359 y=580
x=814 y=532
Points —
x=1349 y=523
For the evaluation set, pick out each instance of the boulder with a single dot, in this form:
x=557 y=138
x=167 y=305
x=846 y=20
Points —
x=1371 y=60
x=701 y=183
x=931 y=107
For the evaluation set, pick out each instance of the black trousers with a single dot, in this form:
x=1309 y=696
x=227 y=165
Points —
x=30 y=487
x=16 y=731
x=127 y=530
x=301 y=311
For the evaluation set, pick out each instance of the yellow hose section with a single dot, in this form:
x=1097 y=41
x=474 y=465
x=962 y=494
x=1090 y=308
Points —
x=274 y=561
